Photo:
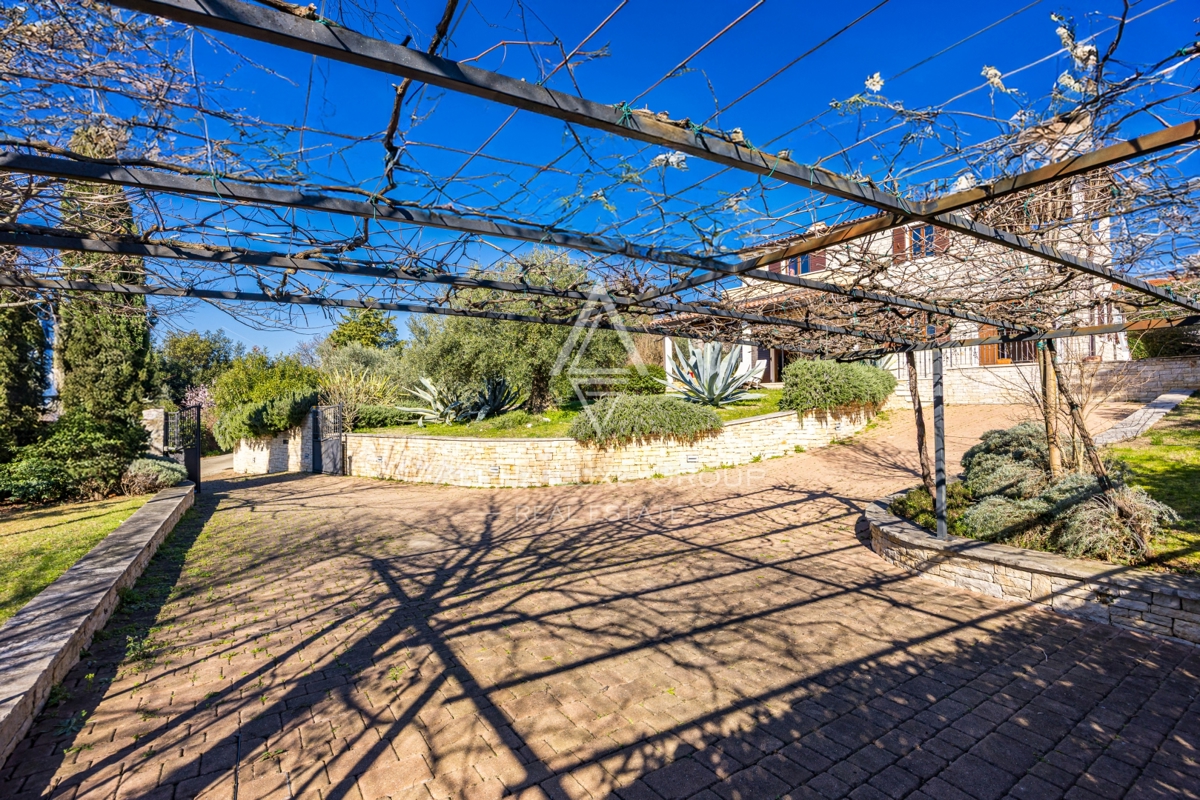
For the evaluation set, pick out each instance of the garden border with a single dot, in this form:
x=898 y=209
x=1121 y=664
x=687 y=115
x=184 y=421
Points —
x=44 y=640
x=1127 y=597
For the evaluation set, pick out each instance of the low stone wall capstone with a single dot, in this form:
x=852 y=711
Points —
x=42 y=641
x=465 y=461
x=1158 y=603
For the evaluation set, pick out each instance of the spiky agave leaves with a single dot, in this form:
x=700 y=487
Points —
x=440 y=406
x=712 y=378
x=496 y=397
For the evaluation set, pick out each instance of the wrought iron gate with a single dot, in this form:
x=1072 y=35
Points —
x=183 y=440
x=328 y=441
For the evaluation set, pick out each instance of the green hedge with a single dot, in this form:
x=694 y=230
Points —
x=828 y=385
x=80 y=458
x=626 y=417
x=150 y=474
x=265 y=418
x=382 y=417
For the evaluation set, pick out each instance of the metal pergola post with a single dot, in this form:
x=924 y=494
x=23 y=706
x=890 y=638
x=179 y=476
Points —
x=939 y=447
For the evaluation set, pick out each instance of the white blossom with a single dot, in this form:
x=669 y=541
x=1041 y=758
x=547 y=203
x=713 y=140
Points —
x=874 y=83
x=1068 y=82
x=993 y=76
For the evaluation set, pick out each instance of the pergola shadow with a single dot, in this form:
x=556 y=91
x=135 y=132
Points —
x=636 y=655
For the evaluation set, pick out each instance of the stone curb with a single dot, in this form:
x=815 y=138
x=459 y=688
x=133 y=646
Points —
x=1127 y=597
x=43 y=641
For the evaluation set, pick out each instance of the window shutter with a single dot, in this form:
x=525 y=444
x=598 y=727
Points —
x=774 y=267
x=941 y=240
x=816 y=261
x=899 y=245
x=987 y=352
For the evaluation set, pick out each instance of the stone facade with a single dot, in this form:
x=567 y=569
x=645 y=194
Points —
x=464 y=461
x=1136 y=381
x=290 y=451
x=1163 y=604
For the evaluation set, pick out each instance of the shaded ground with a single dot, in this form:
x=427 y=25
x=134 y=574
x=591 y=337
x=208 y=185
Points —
x=722 y=635
x=1165 y=461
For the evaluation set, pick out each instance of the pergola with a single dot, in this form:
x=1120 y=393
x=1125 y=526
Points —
x=861 y=319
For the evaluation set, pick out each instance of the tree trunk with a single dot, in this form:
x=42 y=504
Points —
x=1089 y=446
x=57 y=370
x=919 y=414
x=1050 y=410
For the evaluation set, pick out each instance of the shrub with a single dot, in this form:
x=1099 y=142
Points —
x=829 y=385
x=1023 y=442
x=151 y=474
x=1095 y=528
x=382 y=417
x=80 y=458
x=997 y=473
x=917 y=505
x=624 y=418
x=257 y=378
x=265 y=418
x=513 y=419
x=647 y=381
x=998 y=518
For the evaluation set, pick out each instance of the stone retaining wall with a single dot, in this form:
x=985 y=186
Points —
x=465 y=461
x=1159 y=603
x=290 y=451
x=42 y=641
x=1135 y=381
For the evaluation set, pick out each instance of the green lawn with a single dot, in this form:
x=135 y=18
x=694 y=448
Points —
x=1165 y=461
x=554 y=424
x=39 y=544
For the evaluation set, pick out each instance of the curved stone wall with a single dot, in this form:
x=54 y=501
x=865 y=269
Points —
x=465 y=461
x=1160 y=603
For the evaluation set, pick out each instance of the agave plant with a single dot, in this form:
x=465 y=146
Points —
x=496 y=397
x=712 y=379
x=440 y=405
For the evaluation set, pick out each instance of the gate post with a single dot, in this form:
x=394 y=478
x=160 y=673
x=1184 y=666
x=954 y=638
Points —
x=191 y=451
x=317 y=461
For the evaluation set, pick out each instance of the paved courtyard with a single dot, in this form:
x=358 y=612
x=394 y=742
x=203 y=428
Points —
x=723 y=635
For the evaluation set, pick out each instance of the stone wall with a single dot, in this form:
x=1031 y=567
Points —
x=1136 y=381
x=1163 y=604
x=464 y=461
x=290 y=451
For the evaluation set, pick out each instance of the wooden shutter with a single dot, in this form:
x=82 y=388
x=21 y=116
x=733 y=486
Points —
x=941 y=240
x=899 y=245
x=987 y=352
x=816 y=261
x=775 y=267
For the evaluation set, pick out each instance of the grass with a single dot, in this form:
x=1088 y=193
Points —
x=1165 y=461
x=555 y=423
x=39 y=544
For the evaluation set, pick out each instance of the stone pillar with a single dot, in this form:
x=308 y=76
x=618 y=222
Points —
x=154 y=420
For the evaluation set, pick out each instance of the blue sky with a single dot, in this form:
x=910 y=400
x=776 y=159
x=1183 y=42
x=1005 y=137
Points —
x=643 y=41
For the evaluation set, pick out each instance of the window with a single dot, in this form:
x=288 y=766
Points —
x=809 y=262
x=924 y=241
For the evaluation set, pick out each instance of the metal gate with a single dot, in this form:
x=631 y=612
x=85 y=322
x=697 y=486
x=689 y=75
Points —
x=328 y=441
x=183 y=440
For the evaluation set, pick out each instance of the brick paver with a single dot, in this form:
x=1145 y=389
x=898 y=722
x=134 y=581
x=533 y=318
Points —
x=724 y=635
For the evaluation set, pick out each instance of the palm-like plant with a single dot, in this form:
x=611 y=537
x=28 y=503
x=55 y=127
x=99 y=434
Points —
x=440 y=406
x=496 y=397
x=711 y=378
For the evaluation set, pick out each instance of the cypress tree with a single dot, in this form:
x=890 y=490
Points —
x=103 y=341
x=22 y=374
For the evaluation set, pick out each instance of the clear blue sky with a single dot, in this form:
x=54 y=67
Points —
x=645 y=40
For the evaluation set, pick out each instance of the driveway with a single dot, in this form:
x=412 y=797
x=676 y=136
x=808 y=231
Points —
x=722 y=635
